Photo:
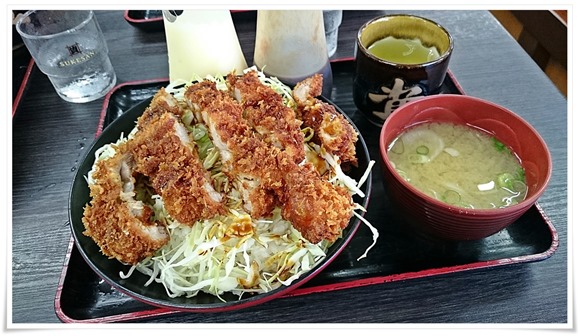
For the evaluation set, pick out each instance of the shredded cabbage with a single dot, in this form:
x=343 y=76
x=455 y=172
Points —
x=234 y=253
x=216 y=256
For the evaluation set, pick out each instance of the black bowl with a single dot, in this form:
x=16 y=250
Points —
x=155 y=293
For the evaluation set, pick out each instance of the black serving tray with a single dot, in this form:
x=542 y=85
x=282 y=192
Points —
x=398 y=255
x=147 y=20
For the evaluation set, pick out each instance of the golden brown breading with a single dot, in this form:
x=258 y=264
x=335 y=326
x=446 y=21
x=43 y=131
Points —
x=266 y=113
x=120 y=225
x=245 y=158
x=164 y=153
x=306 y=90
x=332 y=131
x=271 y=176
x=162 y=102
x=315 y=207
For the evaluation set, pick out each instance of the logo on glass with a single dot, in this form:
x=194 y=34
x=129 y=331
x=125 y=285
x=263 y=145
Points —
x=75 y=49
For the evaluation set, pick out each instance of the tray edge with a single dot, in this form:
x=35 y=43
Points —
x=22 y=86
x=443 y=270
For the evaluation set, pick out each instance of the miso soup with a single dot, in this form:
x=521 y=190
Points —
x=460 y=165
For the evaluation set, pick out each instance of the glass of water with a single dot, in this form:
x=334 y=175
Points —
x=332 y=20
x=69 y=47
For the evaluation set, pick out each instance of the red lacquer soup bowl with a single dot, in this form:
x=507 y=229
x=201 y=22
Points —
x=433 y=217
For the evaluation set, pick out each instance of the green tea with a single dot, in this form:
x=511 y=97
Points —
x=403 y=51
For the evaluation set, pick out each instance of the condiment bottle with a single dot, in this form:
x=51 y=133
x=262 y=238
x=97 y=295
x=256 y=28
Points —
x=201 y=43
x=291 y=45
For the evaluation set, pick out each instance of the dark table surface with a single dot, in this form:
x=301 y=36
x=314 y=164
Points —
x=50 y=136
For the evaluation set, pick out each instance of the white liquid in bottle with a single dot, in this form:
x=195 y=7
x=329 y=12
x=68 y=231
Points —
x=291 y=45
x=201 y=43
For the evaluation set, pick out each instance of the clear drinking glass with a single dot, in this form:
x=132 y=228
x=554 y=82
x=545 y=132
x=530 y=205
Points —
x=69 y=47
x=332 y=20
x=291 y=45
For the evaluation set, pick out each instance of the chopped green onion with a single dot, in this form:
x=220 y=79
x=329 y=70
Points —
x=187 y=117
x=212 y=156
x=202 y=140
x=521 y=174
x=308 y=133
x=451 y=197
x=397 y=147
x=499 y=146
x=505 y=180
x=199 y=131
x=423 y=150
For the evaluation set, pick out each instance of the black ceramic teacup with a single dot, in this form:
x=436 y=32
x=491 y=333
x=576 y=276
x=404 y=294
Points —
x=381 y=85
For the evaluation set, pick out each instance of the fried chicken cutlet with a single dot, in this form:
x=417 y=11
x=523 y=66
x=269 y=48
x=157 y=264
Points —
x=164 y=152
x=266 y=113
x=162 y=102
x=333 y=132
x=316 y=208
x=118 y=223
x=245 y=158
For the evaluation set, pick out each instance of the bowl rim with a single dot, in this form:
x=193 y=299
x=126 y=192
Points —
x=478 y=212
